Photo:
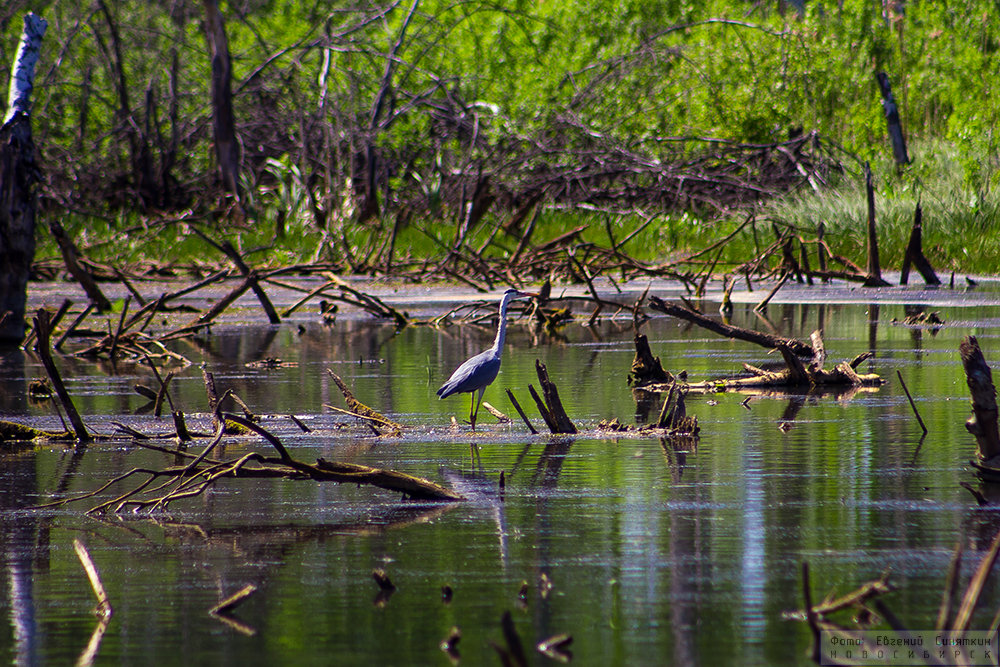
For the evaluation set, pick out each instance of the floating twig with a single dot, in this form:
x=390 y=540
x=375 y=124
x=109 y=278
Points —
x=556 y=647
x=385 y=587
x=450 y=644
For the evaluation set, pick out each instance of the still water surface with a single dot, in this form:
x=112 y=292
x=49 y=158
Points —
x=657 y=552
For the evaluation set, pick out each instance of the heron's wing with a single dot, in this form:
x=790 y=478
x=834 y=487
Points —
x=476 y=373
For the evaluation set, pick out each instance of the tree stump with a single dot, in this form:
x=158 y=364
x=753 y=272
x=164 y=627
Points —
x=551 y=407
x=645 y=367
x=983 y=422
x=915 y=254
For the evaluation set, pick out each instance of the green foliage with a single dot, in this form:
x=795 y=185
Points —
x=629 y=74
x=961 y=212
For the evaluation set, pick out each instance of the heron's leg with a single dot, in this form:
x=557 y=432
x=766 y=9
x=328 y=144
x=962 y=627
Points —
x=476 y=401
x=472 y=411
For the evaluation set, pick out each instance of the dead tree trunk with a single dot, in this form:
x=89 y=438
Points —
x=18 y=175
x=983 y=422
x=366 y=158
x=551 y=407
x=874 y=278
x=227 y=148
x=892 y=118
x=915 y=254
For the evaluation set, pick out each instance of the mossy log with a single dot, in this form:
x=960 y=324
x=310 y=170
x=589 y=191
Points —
x=414 y=487
x=14 y=432
x=362 y=411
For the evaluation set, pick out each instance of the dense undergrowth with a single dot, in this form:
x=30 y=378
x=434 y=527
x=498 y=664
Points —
x=444 y=124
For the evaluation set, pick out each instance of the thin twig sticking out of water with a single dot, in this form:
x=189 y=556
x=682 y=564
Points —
x=103 y=603
x=913 y=405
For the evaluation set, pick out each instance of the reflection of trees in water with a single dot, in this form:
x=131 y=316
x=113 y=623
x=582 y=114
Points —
x=19 y=531
x=237 y=554
x=21 y=554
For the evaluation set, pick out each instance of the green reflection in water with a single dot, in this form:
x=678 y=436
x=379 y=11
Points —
x=656 y=556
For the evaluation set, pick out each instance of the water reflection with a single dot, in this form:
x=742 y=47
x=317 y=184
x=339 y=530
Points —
x=656 y=550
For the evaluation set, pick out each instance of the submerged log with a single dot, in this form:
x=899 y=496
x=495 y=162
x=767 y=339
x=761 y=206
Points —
x=794 y=376
x=413 y=487
x=728 y=330
x=14 y=432
x=203 y=472
x=983 y=422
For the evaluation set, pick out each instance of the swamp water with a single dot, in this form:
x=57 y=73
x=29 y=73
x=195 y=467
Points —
x=655 y=552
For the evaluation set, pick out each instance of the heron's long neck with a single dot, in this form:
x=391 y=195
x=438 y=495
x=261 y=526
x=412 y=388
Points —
x=502 y=328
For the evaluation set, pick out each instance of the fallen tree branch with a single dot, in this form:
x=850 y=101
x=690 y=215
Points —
x=795 y=375
x=43 y=328
x=359 y=409
x=728 y=330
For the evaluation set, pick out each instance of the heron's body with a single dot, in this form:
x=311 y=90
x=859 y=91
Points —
x=480 y=371
x=476 y=373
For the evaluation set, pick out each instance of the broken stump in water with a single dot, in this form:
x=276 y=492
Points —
x=915 y=254
x=645 y=367
x=551 y=407
x=983 y=422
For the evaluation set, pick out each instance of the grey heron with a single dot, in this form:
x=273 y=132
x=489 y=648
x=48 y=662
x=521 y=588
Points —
x=478 y=372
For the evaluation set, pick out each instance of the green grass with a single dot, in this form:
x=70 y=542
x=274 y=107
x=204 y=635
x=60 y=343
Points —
x=960 y=215
x=632 y=73
x=961 y=226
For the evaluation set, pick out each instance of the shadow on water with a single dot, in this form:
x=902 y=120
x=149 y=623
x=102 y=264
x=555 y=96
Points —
x=645 y=549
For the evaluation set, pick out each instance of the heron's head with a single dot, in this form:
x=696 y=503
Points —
x=512 y=293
